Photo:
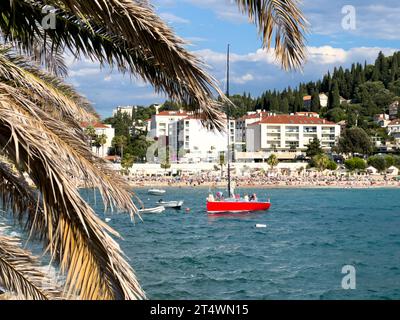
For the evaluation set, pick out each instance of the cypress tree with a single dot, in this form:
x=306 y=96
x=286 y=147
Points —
x=315 y=102
x=284 y=107
x=334 y=96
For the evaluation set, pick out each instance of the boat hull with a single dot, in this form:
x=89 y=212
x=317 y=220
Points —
x=156 y=192
x=155 y=210
x=171 y=204
x=236 y=206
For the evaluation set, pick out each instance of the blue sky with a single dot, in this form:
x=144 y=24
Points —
x=210 y=24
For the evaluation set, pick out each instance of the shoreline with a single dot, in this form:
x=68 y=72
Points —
x=256 y=186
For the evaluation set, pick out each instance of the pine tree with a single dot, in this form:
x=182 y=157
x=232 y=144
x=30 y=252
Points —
x=274 y=106
x=284 y=107
x=334 y=96
x=315 y=102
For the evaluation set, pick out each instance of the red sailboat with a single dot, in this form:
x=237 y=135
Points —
x=233 y=204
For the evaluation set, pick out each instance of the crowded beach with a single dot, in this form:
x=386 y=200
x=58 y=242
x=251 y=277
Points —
x=301 y=179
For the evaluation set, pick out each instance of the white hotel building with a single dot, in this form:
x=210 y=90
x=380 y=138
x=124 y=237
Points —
x=160 y=122
x=287 y=136
x=191 y=142
x=259 y=133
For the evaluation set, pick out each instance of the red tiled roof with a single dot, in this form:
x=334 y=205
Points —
x=96 y=125
x=263 y=114
x=172 y=114
x=305 y=112
x=289 y=119
x=395 y=122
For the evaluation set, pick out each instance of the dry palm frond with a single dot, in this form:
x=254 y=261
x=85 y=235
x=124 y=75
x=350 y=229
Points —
x=72 y=151
x=282 y=20
x=124 y=33
x=22 y=275
x=21 y=73
x=18 y=198
x=77 y=238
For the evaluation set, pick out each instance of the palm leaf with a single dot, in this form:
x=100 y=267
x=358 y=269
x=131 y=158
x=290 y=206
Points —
x=56 y=158
x=22 y=275
x=124 y=33
x=282 y=20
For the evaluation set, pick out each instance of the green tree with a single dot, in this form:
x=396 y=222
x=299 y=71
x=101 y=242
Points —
x=315 y=102
x=100 y=141
x=355 y=140
x=272 y=161
x=336 y=115
x=334 y=96
x=321 y=162
x=332 y=165
x=284 y=107
x=314 y=148
x=221 y=162
x=378 y=162
x=355 y=163
x=127 y=162
x=119 y=142
x=90 y=132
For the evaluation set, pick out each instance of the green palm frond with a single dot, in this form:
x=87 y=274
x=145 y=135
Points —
x=283 y=21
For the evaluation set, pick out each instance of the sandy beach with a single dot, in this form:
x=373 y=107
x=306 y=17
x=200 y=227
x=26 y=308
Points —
x=317 y=181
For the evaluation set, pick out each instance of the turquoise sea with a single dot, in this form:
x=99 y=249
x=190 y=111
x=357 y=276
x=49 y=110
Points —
x=311 y=234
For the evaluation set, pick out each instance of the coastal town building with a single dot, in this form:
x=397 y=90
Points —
x=287 y=136
x=129 y=110
x=242 y=124
x=382 y=120
x=100 y=129
x=393 y=110
x=160 y=122
x=323 y=99
x=394 y=130
x=307 y=114
x=191 y=142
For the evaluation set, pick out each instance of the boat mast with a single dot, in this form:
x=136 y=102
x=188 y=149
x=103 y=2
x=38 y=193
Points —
x=228 y=123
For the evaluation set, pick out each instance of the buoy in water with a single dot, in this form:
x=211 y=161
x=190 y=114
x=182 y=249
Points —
x=187 y=210
x=108 y=219
x=261 y=225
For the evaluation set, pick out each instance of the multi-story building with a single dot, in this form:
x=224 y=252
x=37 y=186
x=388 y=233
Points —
x=100 y=128
x=289 y=134
x=394 y=130
x=393 y=110
x=161 y=120
x=190 y=141
x=242 y=124
x=129 y=110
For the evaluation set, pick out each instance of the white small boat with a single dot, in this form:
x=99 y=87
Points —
x=171 y=204
x=156 y=192
x=159 y=209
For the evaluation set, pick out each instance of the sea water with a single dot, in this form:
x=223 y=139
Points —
x=311 y=235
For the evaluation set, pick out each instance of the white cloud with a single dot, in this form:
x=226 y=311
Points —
x=172 y=19
x=243 y=79
x=84 y=72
